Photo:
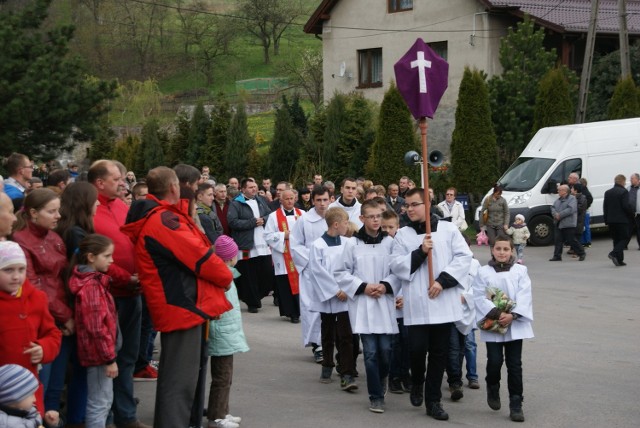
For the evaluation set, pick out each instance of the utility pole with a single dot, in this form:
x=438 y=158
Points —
x=588 y=60
x=625 y=65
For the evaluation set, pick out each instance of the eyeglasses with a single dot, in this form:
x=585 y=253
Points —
x=414 y=204
x=449 y=194
x=27 y=166
x=373 y=217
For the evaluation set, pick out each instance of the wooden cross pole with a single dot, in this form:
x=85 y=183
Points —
x=426 y=198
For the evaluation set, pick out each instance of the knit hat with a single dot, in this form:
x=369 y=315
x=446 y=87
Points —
x=226 y=248
x=16 y=384
x=520 y=217
x=11 y=254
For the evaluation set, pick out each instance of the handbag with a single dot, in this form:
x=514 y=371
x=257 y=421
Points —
x=482 y=238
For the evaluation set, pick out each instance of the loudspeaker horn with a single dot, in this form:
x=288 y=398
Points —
x=412 y=158
x=436 y=158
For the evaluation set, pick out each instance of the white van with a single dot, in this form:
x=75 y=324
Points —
x=596 y=151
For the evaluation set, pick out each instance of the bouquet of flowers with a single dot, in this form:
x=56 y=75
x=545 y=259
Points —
x=503 y=303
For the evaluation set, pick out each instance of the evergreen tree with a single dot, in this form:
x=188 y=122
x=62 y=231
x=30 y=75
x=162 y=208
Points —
x=359 y=135
x=394 y=137
x=524 y=60
x=333 y=137
x=125 y=151
x=217 y=137
x=285 y=147
x=553 y=103
x=309 y=162
x=138 y=160
x=604 y=78
x=103 y=144
x=473 y=143
x=178 y=143
x=153 y=154
x=197 y=142
x=624 y=102
x=298 y=117
x=45 y=93
x=239 y=144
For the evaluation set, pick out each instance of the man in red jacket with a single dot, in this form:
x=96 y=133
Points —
x=184 y=284
x=110 y=216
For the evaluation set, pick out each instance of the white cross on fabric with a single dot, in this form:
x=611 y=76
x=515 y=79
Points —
x=422 y=65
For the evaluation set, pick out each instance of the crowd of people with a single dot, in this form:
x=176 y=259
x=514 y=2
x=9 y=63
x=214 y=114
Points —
x=94 y=264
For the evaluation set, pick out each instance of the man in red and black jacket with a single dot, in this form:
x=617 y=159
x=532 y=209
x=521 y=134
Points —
x=184 y=284
x=125 y=288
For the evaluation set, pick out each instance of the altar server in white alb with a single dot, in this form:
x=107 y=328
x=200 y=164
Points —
x=503 y=273
x=367 y=280
x=325 y=257
x=277 y=231
x=429 y=309
x=306 y=230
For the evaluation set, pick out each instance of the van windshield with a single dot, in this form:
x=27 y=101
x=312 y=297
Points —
x=524 y=173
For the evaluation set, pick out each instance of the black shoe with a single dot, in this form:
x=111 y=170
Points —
x=515 y=408
x=416 y=397
x=614 y=259
x=395 y=385
x=622 y=263
x=456 y=392
x=406 y=384
x=436 y=411
x=582 y=257
x=555 y=259
x=588 y=245
x=493 y=396
x=276 y=301
x=253 y=310
x=295 y=320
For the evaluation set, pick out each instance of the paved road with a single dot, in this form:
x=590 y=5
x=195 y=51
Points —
x=581 y=370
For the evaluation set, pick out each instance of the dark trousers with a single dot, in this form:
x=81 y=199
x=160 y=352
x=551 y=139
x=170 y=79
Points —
x=620 y=235
x=400 y=352
x=335 y=331
x=181 y=379
x=289 y=303
x=456 y=357
x=124 y=404
x=146 y=333
x=431 y=340
x=256 y=279
x=221 y=377
x=567 y=234
x=511 y=352
x=635 y=228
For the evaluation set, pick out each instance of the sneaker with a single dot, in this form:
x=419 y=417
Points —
x=436 y=411
x=473 y=384
x=416 y=396
x=348 y=384
x=224 y=423
x=155 y=364
x=385 y=385
x=325 y=375
x=376 y=406
x=588 y=245
x=234 y=419
x=456 y=392
x=147 y=374
x=395 y=385
x=317 y=355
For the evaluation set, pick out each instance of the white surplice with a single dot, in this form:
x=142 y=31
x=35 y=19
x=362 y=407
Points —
x=275 y=239
x=323 y=262
x=369 y=263
x=517 y=286
x=353 y=211
x=468 y=320
x=451 y=254
x=306 y=230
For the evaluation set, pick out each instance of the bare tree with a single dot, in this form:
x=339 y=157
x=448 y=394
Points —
x=307 y=74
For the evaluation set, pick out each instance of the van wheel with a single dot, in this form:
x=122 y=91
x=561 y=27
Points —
x=541 y=228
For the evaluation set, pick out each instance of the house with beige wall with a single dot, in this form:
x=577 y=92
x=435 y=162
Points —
x=363 y=39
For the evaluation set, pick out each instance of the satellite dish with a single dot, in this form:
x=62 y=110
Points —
x=343 y=69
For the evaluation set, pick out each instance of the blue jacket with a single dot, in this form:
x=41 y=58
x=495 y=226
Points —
x=226 y=336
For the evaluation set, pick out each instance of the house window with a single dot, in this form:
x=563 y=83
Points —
x=440 y=48
x=399 y=5
x=370 y=68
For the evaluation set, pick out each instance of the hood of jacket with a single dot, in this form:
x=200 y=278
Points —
x=82 y=274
